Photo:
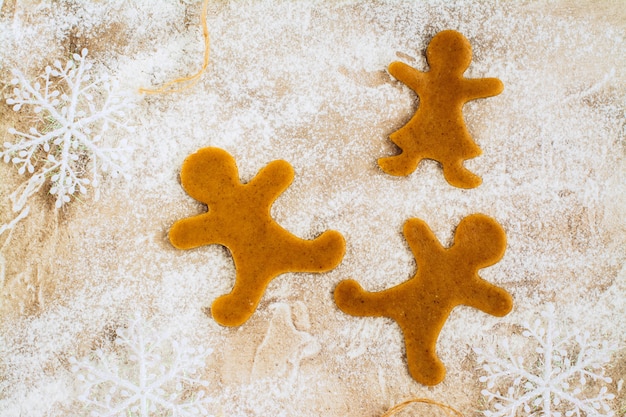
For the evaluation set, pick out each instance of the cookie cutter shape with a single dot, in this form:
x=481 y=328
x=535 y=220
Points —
x=238 y=217
x=445 y=278
x=437 y=130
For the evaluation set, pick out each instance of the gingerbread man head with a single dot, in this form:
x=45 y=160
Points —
x=449 y=51
x=479 y=240
x=209 y=174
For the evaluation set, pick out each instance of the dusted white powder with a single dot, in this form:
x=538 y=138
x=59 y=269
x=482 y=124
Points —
x=307 y=82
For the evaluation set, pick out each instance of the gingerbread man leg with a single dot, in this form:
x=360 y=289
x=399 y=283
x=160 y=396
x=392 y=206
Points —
x=318 y=255
x=421 y=347
x=399 y=165
x=298 y=255
x=352 y=299
x=406 y=162
x=420 y=335
x=236 y=307
x=457 y=175
x=293 y=254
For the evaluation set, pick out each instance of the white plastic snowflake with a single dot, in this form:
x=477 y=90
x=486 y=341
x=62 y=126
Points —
x=563 y=377
x=149 y=374
x=67 y=143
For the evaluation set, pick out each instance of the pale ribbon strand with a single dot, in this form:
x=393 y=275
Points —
x=192 y=78
x=399 y=407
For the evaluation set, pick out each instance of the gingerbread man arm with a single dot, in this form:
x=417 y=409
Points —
x=482 y=87
x=194 y=232
x=352 y=299
x=408 y=75
x=422 y=241
x=272 y=180
x=488 y=298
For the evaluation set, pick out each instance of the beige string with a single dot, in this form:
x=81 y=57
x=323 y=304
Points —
x=192 y=79
x=399 y=407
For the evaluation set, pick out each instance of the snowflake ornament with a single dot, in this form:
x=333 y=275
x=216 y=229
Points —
x=67 y=144
x=563 y=377
x=149 y=374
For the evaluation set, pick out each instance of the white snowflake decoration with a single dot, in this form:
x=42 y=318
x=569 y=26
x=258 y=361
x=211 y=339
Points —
x=72 y=115
x=150 y=375
x=564 y=377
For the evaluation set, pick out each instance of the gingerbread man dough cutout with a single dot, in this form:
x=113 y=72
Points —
x=445 y=278
x=239 y=218
x=437 y=130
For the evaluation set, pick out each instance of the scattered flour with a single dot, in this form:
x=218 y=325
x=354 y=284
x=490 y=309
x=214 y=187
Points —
x=307 y=82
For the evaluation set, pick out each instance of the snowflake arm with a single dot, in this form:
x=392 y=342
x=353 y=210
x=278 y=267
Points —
x=76 y=112
x=511 y=368
x=554 y=381
x=151 y=375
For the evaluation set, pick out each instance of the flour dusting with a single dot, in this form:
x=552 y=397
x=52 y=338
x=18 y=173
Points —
x=307 y=82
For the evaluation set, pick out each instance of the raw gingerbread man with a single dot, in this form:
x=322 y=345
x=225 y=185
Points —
x=437 y=130
x=239 y=218
x=445 y=278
